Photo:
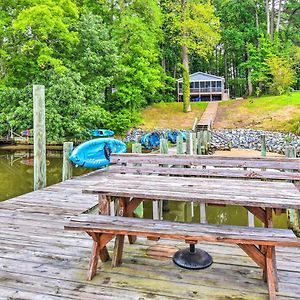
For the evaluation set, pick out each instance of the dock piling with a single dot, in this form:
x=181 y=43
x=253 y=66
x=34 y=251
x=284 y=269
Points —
x=263 y=145
x=137 y=148
x=179 y=145
x=293 y=215
x=67 y=168
x=39 y=137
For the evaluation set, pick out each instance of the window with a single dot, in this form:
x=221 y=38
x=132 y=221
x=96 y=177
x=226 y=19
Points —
x=192 y=85
x=197 y=85
x=218 y=83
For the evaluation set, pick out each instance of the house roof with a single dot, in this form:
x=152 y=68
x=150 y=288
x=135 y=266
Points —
x=200 y=76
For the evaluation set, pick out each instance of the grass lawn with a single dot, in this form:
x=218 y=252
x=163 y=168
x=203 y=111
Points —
x=170 y=115
x=275 y=113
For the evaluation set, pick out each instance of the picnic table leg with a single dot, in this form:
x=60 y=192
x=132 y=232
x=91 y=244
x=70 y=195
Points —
x=119 y=241
x=265 y=215
x=104 y=204
x=92 y=269
x=131 y=205
x=271 y=272
x=104 y=209
x=129 y=213
x=125 y=208
x=269 y=224
x=99 y=244
x=118 y=251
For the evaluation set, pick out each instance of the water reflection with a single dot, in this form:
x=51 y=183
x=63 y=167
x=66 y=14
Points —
x=16 y=172
x=227 y=215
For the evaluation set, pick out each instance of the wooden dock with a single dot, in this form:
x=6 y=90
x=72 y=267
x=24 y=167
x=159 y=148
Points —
x=39 y=260
x=207 y=119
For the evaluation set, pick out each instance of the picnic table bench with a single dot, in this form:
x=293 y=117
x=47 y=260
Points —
x=278 y=168
x=133 y=178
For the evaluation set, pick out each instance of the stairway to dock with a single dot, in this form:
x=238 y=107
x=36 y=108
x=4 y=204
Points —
x=207 y=119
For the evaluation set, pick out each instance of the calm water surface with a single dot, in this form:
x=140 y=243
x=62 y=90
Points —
x=16 y=178
x=16 y=172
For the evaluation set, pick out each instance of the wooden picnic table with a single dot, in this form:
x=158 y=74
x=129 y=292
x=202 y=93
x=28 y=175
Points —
x=257 y=196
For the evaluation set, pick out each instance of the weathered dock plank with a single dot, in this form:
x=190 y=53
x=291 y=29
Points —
x=39 y=260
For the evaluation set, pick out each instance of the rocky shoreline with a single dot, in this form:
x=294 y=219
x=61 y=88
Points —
x=251 y=139
x=238 y=138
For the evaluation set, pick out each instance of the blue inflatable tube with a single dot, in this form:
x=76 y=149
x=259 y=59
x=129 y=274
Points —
x=96 y=153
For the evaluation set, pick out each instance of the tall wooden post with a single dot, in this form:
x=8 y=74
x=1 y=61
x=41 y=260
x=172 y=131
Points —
x=180 y=205
x=179 y=144
x=293 y=214
x=67 y=165
x=199 y=138
x=263 y=145
x=206 y=141
x=202 y=149
x=161 y=205
x=189 y=144
x=136 y=148
x=195 y=142
x=39 y=137
x=163 y=146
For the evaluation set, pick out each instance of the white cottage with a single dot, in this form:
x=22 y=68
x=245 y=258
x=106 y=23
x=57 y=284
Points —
x=204 y=87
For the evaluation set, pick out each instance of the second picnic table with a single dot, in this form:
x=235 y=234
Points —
x=259 y=197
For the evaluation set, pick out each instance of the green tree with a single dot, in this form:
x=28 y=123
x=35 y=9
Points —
x=282 y=75
x=195 y=28
x=40 y=38
x=96 y=57
x=138 y=33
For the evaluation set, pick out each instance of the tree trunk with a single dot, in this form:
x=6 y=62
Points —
x=185 y=64
x=186 y=79
x=249 y=82
x=256 y=18
x=272 y=21
x=225 y=69
x=250 y=86
x=279 y=16
x=268 y=17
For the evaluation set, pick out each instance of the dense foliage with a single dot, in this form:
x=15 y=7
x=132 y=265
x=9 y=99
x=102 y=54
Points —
x=101 y=61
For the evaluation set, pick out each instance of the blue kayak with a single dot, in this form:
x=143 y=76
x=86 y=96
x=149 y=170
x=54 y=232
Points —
x=150 y=140
x=102 y=132
x=96 y=153
x=172 y=136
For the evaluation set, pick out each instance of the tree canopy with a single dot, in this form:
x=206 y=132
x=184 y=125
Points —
x=102 y=61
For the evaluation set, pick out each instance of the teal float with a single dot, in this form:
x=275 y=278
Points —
x=96 y=153
x=102 y=132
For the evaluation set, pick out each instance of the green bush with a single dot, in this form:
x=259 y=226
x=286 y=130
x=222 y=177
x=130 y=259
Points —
x=123 y=120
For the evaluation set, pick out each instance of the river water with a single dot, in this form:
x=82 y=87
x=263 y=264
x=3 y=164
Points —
x=16 y=172
x=16 y=178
